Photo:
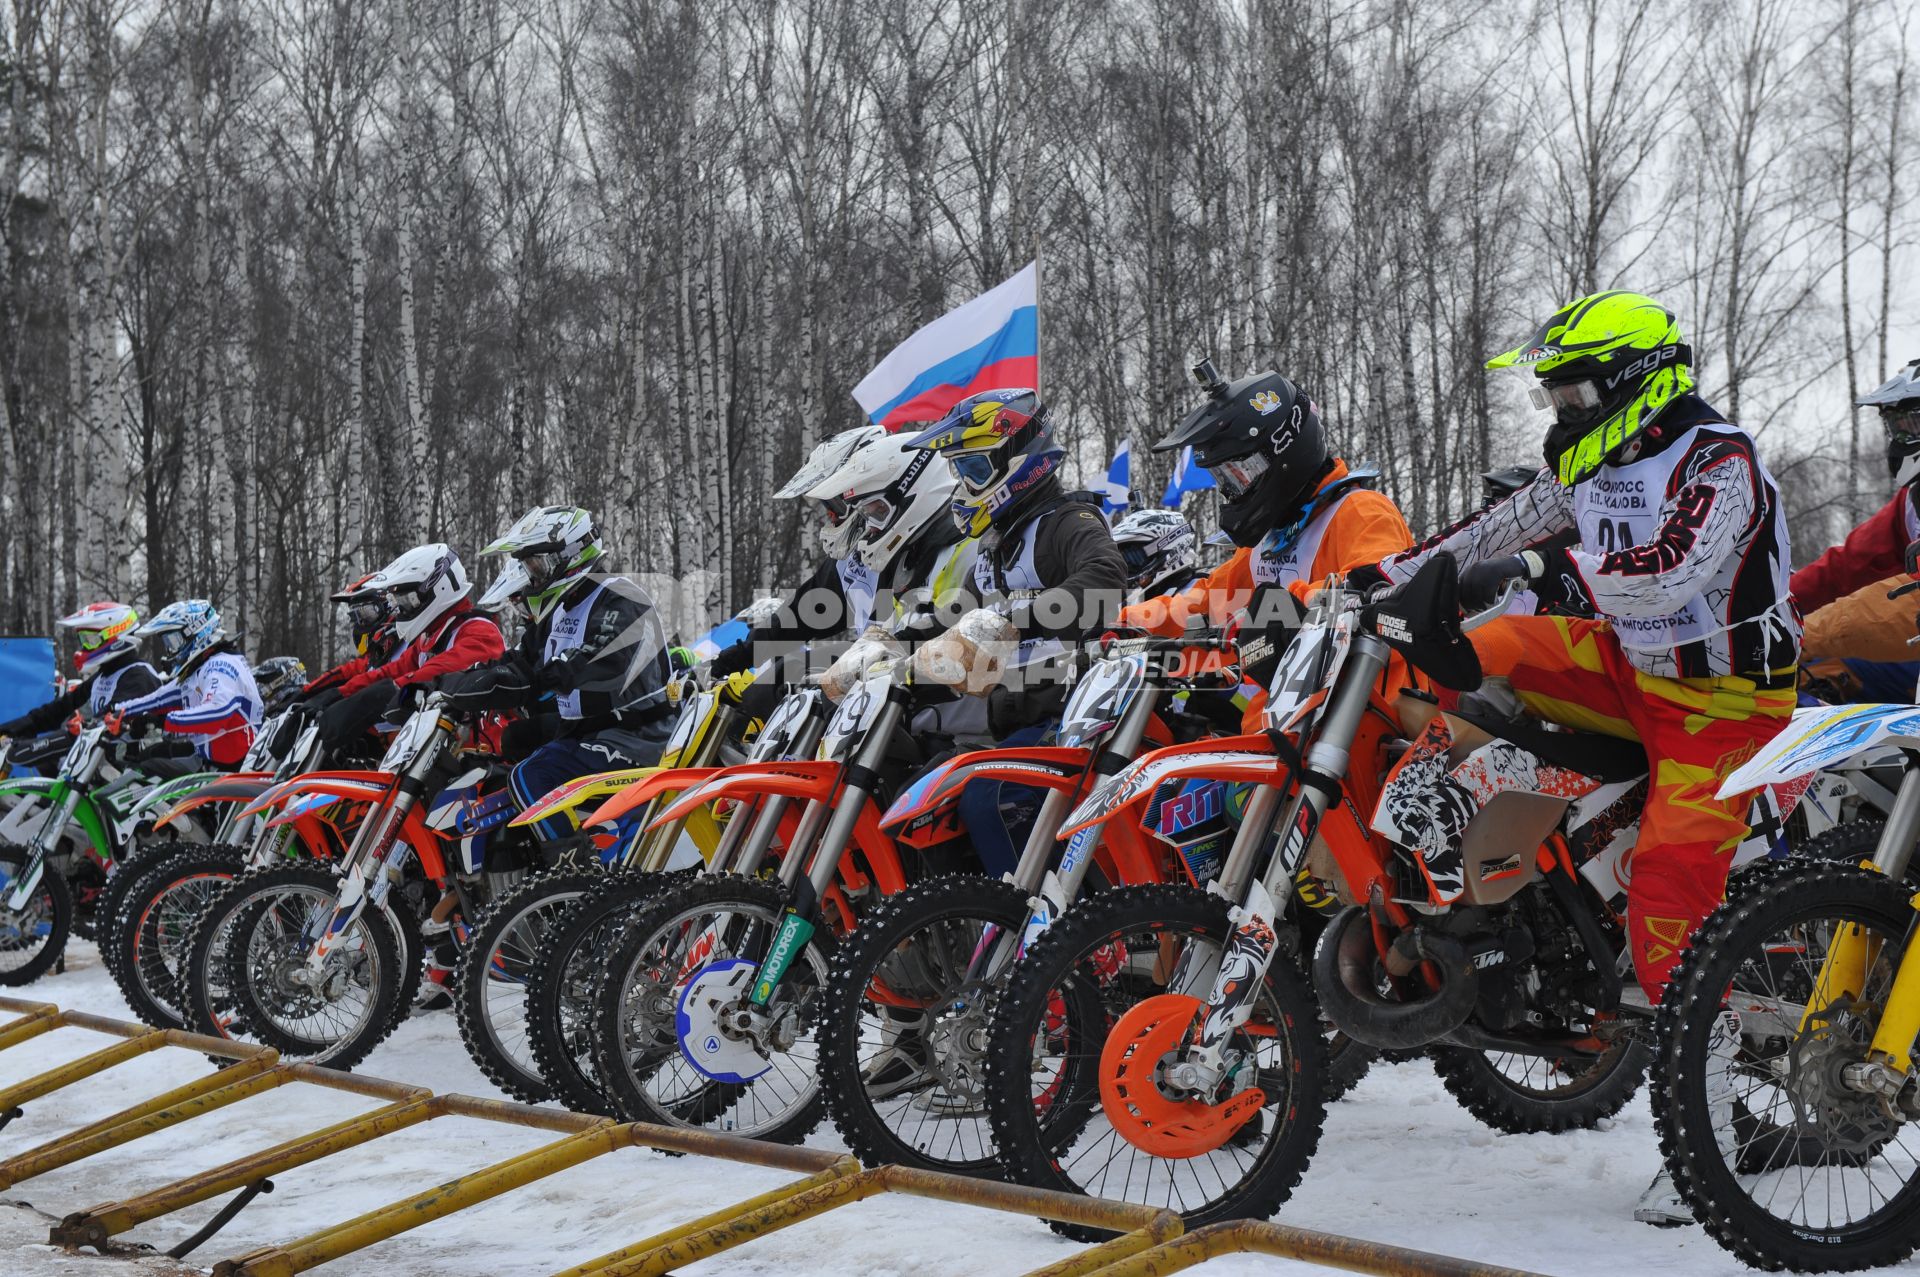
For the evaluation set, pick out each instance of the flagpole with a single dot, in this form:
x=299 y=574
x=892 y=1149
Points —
x=1039 y=309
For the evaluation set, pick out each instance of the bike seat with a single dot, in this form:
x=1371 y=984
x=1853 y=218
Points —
x=1605 y=758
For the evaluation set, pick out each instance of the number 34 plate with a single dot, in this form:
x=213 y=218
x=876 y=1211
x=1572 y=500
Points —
x=1312 y=662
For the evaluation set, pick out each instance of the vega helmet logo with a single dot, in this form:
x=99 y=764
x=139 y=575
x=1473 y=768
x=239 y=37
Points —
x=1647 y=363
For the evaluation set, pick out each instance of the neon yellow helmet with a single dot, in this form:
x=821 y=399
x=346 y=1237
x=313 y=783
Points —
x=1608 y=365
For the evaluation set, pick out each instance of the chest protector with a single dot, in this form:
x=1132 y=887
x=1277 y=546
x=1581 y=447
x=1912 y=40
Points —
x=1619 y=508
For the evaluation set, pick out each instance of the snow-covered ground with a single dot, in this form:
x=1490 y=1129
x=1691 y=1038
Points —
x=1399 y=1162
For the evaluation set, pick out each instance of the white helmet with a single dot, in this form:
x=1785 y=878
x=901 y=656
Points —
x=510 y=585
x=1157 y=545
x=827 y=456
x=424 y=583
x=558 y=544
x=186 y=630
x=891 y=490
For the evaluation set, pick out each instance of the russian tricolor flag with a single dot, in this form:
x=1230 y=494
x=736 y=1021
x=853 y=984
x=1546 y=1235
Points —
x=990 y=342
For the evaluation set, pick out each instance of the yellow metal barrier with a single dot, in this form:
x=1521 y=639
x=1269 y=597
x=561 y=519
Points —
x=1329 y=1250
x=1148 y=1241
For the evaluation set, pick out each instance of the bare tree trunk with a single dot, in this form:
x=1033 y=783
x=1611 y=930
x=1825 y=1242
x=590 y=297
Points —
x=355 y=546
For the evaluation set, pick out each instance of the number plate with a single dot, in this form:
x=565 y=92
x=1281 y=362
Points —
x=783 y=726
x=1101 y=698
x=697 y=712
x=858 y=709
x=1312 y=662
x=407 y=741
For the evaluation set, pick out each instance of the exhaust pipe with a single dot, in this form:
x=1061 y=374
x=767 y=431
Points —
x=1343 y=977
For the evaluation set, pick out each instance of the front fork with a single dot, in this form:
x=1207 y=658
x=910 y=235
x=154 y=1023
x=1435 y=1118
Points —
x=1854 y=952
x=1249 y=951
x=355 y=893
x=20 y=890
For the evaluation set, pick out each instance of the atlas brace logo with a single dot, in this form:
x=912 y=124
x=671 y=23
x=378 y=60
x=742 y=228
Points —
x=1647 y=363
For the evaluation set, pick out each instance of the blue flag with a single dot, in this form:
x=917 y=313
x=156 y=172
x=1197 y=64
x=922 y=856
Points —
x=1187 y=477
x=1117 y=486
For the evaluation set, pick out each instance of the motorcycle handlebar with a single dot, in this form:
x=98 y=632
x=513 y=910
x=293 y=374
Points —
x=1495 y=610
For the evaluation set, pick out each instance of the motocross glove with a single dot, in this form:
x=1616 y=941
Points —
x=1481 y=584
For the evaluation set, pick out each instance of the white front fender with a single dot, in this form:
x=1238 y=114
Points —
x=1825 y=736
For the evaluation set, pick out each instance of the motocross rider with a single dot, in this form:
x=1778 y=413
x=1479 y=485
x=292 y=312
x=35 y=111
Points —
x=1683 y=551
x=439 y=630
x=370 y=625
x=108 y=668
x=594 y=642
x=212 y=700
x=841 y=594
x=1294 y=509
x=1046 y=573
x=1844 y=592
x=1161 y=552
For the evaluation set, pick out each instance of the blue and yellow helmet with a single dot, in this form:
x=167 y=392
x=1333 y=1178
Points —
x=1000 y=446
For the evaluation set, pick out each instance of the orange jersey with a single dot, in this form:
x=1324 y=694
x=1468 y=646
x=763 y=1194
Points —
x=1361 y=528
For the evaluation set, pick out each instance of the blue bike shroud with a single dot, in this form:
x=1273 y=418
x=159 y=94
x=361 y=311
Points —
x=26 y=675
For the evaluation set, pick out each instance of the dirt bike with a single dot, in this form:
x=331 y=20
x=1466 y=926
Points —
x=78 y=822
x=575 y=946
x=493 y=980
x=703 y=1012
x=903 y=1021
x=1151 y=1043
x=1786 y=1036
x=156 y=895
x=316 y=960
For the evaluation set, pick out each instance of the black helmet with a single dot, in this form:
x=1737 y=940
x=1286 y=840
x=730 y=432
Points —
x=279 y=678
x=1497 y=485
x=1898 y=399
x=1262 y=441
x=368 y=612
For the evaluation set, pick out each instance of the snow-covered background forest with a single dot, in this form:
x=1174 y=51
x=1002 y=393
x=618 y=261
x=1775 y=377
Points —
x=289 y=285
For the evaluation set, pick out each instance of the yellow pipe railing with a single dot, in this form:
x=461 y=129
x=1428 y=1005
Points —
x=1149 y=1241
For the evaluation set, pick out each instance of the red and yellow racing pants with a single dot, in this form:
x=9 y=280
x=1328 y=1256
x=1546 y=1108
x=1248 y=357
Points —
x=1695 y=730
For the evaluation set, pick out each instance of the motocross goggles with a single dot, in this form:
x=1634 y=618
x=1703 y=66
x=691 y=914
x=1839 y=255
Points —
x=1572 y=397
x=543 y=566
x=1238 y=476
x=978 y=472
x=876 y=512
x=1137 y=557
x=90 y=639
x=366 y=614
x=1901 y=419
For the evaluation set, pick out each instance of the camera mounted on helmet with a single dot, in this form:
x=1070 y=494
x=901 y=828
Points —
x=1262 y=440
